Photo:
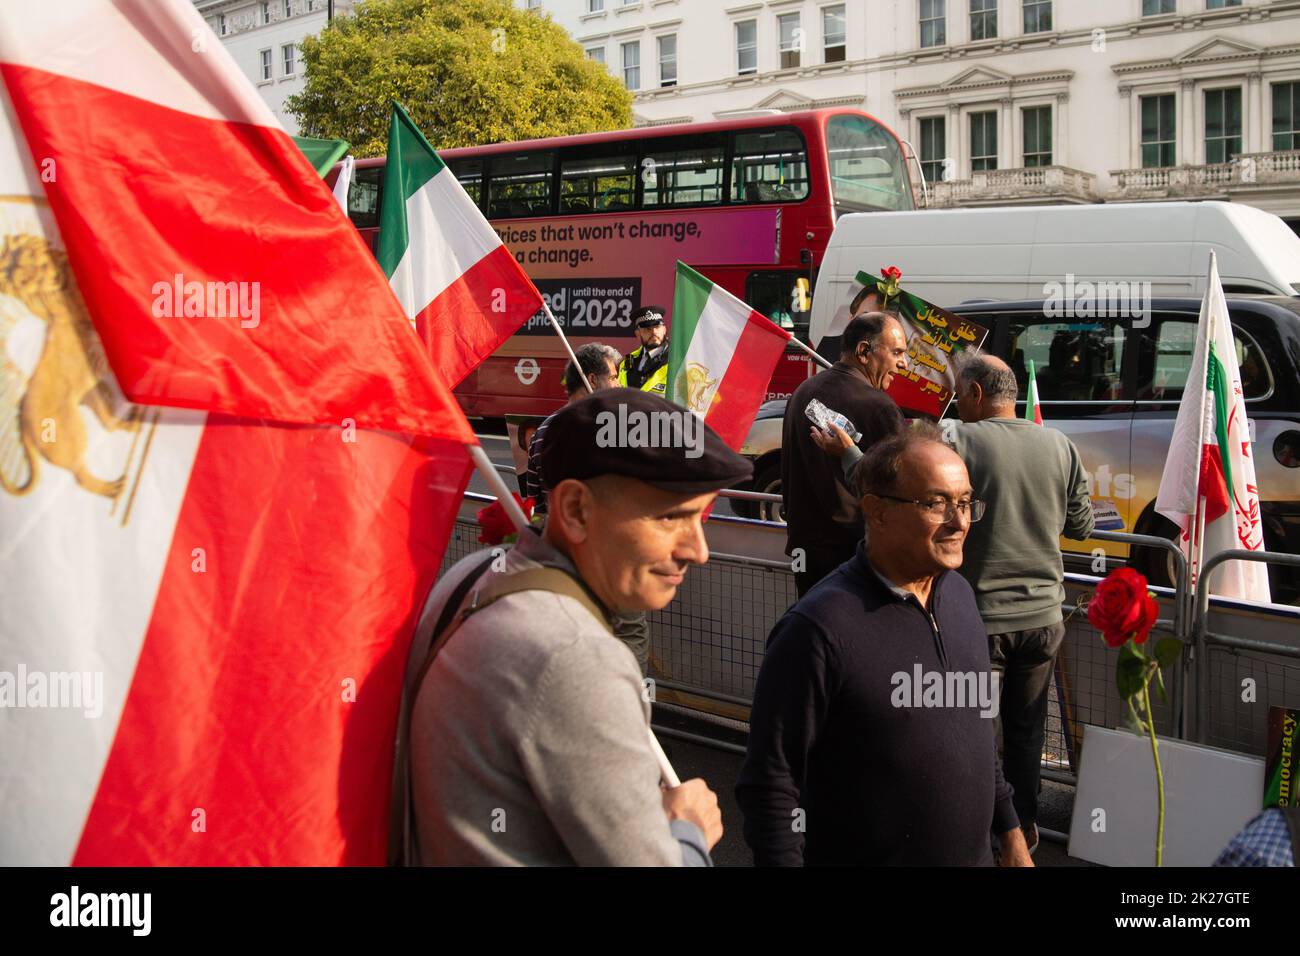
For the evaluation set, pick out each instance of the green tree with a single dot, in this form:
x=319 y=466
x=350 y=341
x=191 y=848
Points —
x=469 y=72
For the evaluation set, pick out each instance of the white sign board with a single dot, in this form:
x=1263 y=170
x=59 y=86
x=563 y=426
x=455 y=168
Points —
x=1210 y=794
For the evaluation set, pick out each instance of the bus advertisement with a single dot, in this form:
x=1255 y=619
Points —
x=598 y=222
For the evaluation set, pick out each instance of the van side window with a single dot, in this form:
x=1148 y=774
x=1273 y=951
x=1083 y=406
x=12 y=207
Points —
x=1165 y=357
x=1073 y=361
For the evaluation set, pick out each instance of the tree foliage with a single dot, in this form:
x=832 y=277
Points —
x=469 y=72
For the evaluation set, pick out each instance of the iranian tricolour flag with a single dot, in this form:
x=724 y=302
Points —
x=1210 y=465
x=1033 y=410
x=460 y=286
x=203 y=614
x=721 y=355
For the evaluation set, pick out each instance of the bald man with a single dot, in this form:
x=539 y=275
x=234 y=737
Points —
x=1036 y=491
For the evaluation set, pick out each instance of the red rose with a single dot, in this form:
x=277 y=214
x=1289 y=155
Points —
x=893 y=272
x=495 y=524
x=1121 y=608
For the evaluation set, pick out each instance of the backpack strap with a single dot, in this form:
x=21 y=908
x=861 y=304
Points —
x=454 y=613
x=400 y=793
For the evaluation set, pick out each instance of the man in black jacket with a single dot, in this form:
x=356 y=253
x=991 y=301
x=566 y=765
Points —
x=871 y=734
x=823 y=521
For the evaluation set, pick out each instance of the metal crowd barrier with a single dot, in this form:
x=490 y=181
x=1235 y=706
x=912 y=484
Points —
x=707 y=645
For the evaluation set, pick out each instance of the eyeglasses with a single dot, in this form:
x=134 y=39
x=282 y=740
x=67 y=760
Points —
x=939 y=510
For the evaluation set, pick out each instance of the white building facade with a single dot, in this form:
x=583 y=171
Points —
x=263 y=37
x=1003 y=101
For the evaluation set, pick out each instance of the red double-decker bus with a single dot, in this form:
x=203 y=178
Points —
x=598 y=222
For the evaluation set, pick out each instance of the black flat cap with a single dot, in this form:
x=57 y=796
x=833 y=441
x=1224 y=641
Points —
x=636 y=434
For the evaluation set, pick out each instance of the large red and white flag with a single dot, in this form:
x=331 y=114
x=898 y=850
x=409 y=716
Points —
x=458 y=283
x=124 y=105
x=203 y=616
x=1210 y=464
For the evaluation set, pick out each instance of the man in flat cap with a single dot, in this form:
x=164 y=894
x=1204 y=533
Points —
x=646 y=367
x=529 y=740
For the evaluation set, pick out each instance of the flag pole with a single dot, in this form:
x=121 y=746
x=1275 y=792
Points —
x=493 y=478
x=812 y=353
x=567 y=347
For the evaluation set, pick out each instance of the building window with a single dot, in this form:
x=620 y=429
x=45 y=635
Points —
x=266 y=13
x=288 y=10
x=1158 y=128
x=1222 y=124
x=596 y=53
x=934 y=148
x=286 y=52
x=833 y=33
x=747 y=47
x=221 y=24
x=534 y=4
x=1038 y=135
x=266 y=64
x=1038 y=16
x=787 y=26
x=632 y=65
x=933 y=23
x=1153 y=8
x=983 y=19
x=1220 y=4
x=1286 y=116
x=595 y=6
x=668 y=60
x=983 y=141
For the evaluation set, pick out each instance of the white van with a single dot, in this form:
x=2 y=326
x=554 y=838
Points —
x=950 y=256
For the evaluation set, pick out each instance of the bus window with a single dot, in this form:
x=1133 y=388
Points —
x=688 y=177
x=520 y=186
x=782 y=296
x=605 y=184
x=363 y=197
x=769 y=166
x=867 y=167
x=470 y=174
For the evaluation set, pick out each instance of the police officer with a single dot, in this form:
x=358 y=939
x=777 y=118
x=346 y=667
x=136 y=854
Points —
x=646 y=368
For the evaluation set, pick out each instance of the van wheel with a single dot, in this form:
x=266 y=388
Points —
x=769 y=483
x=1156 y=564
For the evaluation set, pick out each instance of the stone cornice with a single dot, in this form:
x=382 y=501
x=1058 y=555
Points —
x=992 y=83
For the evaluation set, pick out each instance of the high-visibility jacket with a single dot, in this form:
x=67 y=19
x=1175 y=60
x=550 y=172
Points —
x=653 y=377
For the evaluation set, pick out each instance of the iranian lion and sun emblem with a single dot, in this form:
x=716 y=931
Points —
x=51 y=366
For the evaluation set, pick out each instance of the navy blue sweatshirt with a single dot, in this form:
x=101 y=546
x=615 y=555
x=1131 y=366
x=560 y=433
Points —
x=837 y=772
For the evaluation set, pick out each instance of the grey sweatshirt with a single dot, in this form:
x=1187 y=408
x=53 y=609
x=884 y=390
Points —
x=529 y=741
x=1034 y=484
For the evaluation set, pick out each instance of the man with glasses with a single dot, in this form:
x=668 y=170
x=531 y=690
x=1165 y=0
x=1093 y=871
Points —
x=871 y=739
x=823 y=521
x=1036 y=490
